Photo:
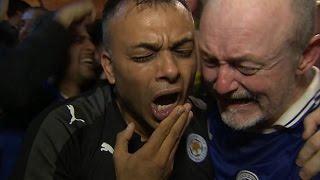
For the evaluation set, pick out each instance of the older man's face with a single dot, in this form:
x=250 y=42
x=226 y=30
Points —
x=152 y=59
x=245 y=62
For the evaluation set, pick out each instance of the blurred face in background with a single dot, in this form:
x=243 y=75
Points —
x=82 y=63
x=29 y=19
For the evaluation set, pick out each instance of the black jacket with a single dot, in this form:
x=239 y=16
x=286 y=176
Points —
x=62 y=147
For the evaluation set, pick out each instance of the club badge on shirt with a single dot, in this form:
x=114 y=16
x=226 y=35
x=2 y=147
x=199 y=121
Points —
x=246 y=175
x=196 y=147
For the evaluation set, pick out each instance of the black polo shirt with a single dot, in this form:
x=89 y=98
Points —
x=76 y=139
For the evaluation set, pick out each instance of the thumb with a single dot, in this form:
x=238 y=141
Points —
x=121 y=147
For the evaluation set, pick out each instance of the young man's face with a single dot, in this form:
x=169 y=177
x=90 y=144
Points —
x=153 y=63
x=248 y=39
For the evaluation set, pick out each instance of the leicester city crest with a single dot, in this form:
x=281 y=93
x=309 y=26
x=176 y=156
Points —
x=246 y=175
x=196 y=147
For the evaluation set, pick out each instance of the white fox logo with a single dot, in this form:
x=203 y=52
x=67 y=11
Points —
x=106 y=147
x=73 y=117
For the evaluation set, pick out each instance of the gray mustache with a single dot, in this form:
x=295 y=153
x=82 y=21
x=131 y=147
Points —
x=241 y=95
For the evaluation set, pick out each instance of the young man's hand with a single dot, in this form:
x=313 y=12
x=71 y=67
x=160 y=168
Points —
x=155 y=159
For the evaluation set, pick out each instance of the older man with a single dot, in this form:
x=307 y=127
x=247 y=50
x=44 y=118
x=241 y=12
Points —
x=257 y=60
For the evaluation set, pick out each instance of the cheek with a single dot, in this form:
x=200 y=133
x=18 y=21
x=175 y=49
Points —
x=74 y=54
x=132 y=81
x=269 y=89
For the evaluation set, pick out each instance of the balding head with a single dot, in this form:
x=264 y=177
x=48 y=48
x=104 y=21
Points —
x=296 y=17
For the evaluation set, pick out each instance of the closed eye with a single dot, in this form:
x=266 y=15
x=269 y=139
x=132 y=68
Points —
x=142 y=59
x=184 y=53
x=248 y=71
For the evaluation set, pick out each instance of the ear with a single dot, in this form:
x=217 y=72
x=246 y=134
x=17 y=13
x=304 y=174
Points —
x=106 y=64
x=310 y=55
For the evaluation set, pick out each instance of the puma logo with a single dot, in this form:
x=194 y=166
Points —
x=73 y=117
x=106 y=147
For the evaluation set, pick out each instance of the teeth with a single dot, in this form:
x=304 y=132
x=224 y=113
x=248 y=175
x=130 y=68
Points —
x=87 y=60
x=162 y=107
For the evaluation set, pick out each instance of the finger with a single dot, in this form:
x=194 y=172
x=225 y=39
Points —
x=311 y=123
x=121 y=147
x=309 y=149
x=160 y=133
x=170 y=162
x=190 y=116
x=172 y=139
x=172 y=155
x=311 y=168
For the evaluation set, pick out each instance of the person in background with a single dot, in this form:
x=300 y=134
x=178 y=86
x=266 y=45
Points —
x=26 y=67
x=31 y=19
x=81 y=71
x=11 y=21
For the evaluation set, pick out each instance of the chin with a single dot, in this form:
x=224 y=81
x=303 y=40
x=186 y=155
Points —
x=238 y=121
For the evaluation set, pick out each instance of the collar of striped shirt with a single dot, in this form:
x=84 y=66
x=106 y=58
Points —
x=308 y=101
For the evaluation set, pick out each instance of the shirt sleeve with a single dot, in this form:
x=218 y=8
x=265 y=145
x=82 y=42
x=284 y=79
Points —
x=51 y=149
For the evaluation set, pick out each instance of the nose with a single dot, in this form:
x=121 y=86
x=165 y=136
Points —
x=90 y=46
x=226 y=80
x=168 y=68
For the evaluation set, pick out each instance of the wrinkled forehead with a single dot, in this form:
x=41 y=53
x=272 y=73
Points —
x=235 y=14
x=171 y=18
x=129 y=7
x=258 y=20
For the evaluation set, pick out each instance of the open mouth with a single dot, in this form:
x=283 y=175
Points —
x=163 y=104
x=87 y=61
x=241 y=101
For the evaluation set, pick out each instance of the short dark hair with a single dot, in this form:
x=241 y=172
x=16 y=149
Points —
x=15 y=6
x=112 y=6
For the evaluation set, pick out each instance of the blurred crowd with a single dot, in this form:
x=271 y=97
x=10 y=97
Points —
x=46 y=57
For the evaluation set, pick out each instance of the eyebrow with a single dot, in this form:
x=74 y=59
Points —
x=147 y=45
x=245 y=58
x=233 y=60
x=156 y=46
x=182 y=42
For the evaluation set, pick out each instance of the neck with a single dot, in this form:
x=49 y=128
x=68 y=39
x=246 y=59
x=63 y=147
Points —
x=128 y=118
x=69 y=88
